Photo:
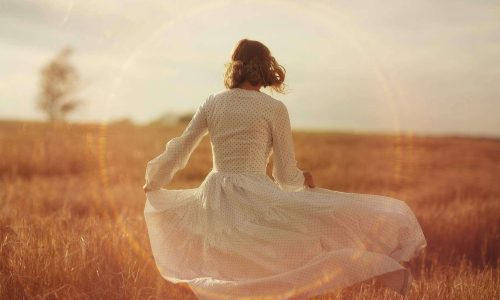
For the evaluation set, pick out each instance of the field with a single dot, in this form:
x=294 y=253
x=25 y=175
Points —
x=71 y=199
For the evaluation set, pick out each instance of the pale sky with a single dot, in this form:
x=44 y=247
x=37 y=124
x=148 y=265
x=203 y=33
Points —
x=420 y=66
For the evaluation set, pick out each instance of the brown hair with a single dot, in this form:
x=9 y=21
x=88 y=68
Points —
x=252 y=61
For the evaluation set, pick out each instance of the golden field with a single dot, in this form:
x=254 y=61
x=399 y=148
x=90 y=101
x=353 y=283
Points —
x=72 y=227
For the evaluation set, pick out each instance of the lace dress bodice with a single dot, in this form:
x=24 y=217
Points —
x=245 y=128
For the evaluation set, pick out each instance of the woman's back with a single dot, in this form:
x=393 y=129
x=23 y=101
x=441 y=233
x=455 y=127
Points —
x=244 y=126
x=240 y=128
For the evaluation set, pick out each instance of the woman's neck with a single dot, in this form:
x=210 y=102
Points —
x=248 y=86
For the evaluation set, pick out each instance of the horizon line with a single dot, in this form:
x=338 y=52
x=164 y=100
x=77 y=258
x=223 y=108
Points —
x=407 y=133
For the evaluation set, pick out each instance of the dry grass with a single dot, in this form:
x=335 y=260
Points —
x=71 y=222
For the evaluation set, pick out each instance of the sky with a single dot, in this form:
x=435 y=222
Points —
x=422 y=67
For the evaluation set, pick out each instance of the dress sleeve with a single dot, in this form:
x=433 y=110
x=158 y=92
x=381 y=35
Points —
x=161 y=169
x=285 y=171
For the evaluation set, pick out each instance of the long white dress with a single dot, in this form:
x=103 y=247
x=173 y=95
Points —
x=243 y=234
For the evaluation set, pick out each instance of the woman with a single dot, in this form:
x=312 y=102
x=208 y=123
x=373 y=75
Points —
x=242 y=234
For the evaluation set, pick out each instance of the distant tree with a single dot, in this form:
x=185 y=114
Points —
x=58 y=86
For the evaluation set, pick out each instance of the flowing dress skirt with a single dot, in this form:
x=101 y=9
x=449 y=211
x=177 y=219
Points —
x=240 y=235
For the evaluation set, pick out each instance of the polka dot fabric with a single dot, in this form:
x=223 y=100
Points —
x=241 y=234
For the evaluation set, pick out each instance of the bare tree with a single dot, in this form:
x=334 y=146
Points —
x=58 y=86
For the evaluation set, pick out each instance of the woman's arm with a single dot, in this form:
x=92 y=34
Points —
x=162 y=168
x=285 y=171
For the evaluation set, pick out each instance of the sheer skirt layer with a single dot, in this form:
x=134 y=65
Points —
x=240 y=234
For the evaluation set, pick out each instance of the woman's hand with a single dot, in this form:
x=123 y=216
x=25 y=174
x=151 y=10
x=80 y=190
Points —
x=146 y=188
x=308 y=179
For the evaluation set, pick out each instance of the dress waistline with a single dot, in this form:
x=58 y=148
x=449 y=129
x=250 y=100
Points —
x=237 y=172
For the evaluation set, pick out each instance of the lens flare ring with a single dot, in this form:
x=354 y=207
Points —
x=330 y=18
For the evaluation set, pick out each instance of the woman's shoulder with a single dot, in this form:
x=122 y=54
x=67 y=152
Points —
x=235 y=92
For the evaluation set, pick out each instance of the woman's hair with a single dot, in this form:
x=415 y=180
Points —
x=252 y=61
